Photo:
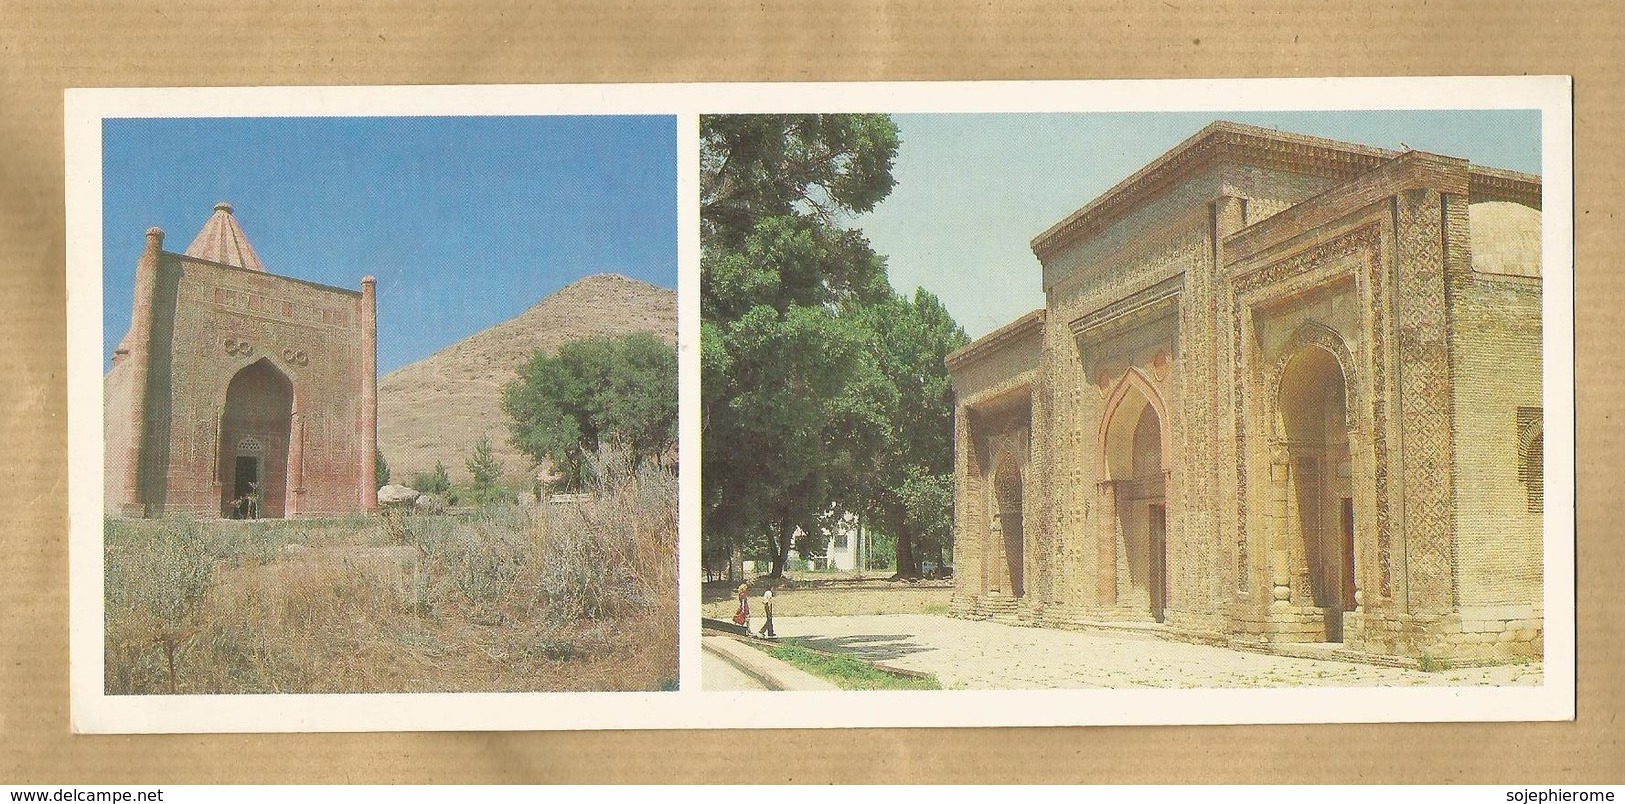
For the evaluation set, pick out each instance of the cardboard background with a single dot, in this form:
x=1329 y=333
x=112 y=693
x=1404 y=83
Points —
x=48 y=46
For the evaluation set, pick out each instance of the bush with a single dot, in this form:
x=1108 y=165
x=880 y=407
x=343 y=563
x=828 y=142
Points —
x=437 y=483
x=486 y=472
x=615 y=547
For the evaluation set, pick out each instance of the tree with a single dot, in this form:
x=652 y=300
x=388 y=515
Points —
x=380 y=467
x=613 y=392
x=486 y=472
x=437 y=483
x=781 y=363
x=904 y=482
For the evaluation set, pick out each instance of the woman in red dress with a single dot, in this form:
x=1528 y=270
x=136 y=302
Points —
x=742 y=616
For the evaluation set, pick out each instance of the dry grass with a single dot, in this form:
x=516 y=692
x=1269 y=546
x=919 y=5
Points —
x=573 y=597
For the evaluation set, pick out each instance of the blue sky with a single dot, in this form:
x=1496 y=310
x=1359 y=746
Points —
x=466 y=221
x=973 y=190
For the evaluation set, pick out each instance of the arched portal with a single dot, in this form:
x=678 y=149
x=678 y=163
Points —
x=1134 y=450
x=1007 y=514
x=1313 y=405
x=254 y=434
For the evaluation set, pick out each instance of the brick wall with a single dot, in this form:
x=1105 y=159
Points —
x=1498 y=371
x=212 y=321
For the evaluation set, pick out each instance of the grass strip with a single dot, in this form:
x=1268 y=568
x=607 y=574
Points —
x=847 y=672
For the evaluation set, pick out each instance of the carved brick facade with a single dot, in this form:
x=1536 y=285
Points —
x=1284 y=390
x=236 y=386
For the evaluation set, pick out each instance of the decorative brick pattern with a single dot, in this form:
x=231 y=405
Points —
x=202 y=325
x=1423 y=362
x=1201 y=277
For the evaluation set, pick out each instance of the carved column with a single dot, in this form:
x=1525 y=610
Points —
x=1212 y=406
x=296 y=460
x=1423 y=367
x=970 y=558
x=1280 y=508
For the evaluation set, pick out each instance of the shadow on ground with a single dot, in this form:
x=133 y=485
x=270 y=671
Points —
x=872 y=647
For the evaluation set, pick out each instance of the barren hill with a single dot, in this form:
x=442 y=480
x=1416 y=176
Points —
x=437 y=408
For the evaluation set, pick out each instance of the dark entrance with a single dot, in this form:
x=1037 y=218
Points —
x=245 y=488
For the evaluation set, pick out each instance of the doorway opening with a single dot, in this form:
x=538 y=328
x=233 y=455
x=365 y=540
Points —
x=1007 y=511
x=1138 y=483
x=245 y=487
x=1314 y=418
x=254 y=434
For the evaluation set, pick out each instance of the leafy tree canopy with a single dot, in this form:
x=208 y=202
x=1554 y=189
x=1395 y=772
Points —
x=781 y=362
x=758 y=167
x=613 y=392
x=903 y=479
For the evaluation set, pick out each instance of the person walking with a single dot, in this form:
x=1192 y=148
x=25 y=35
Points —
x=742 y=616
x=767 y=609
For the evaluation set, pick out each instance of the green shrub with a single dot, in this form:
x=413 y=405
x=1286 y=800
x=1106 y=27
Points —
x=437 y=483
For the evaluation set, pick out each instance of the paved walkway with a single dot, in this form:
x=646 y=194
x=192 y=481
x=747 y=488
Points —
x=718 y=674
x=969 y=654
x=755 y=665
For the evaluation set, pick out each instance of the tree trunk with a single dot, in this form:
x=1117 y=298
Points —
x=858 y=546
x=907 y=566
x=781 y=548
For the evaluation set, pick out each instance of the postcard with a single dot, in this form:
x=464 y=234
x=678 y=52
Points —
x=930 y=404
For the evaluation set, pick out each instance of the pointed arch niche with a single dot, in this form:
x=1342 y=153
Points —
x=1313 y=403
x=255 y=428
x=1006 y=516
x=1131 y=461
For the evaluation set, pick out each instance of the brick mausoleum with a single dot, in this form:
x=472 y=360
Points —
x=1284 y=391
x=236 y=384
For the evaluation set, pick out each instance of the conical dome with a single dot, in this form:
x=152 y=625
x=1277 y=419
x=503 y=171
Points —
x=223 y=241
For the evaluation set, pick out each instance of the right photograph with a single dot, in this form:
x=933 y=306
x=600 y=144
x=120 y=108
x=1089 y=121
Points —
x=1122 y=400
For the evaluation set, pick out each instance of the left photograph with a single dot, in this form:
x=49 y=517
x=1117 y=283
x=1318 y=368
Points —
x=389 y=404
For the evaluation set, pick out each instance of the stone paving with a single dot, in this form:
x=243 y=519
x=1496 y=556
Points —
x=718 y=674
x=970 y=654
x=766 y=671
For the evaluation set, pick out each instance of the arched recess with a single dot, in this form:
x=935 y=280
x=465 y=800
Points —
x=1318 y=335
x=1007 y=517
x=1133 y=390
x=255 y=429
x=1132 y=456
x=1313 y=424
x=1532 y=457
